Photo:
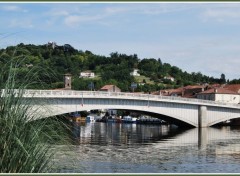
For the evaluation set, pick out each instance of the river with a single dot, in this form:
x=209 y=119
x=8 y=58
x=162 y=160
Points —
x=135 y=148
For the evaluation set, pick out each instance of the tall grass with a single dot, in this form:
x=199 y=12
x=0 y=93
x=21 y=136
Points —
x=25 y=143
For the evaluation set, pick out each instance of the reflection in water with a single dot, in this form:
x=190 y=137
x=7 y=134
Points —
x=118 y=134
x=135 y=148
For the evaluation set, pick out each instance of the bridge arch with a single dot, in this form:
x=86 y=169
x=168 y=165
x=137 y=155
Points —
x=168 y=114
x=224 y=119
x=173 y=119
x=198 y=113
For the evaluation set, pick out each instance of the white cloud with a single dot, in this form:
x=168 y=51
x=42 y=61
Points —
x=59 y=13
x=221 y=13
x=77 y=14
x=114 y=10
x=149 y=8
x=24 y=23
x=167 y=8
x=13 y=8
x=74 y=20
x=227 y=65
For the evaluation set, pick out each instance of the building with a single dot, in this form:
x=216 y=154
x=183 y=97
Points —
x=135 y=72
x=170 y=92
x=191 y=91
x=186 y=92
x=169 y=78
x=216 y=92
x=233 y=87
x=68 y=81
x=220 y=95
x=87 y=74
x=52 y=44
x=110 y=88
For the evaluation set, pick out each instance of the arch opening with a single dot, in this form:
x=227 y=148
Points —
x=167 y=118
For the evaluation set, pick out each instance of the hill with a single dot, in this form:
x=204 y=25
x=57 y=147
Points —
x=55 y=61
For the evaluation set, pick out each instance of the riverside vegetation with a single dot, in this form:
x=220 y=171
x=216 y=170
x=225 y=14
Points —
x=25 y=143
x=114 y=69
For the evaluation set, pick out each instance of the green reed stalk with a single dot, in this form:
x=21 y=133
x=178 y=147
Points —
x=25 y=144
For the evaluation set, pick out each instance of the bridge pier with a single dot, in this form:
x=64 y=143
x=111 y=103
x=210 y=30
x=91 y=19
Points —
x=202 y=138
x=202 y=117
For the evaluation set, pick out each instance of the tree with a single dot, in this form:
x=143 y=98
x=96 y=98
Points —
x=160 y=61
x=222 y=79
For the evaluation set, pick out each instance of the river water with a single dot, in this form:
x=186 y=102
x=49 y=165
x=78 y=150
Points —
x=134 y=148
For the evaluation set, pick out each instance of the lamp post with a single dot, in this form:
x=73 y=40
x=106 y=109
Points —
x=91 y=86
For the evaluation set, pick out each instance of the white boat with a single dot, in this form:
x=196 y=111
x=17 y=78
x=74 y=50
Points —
x=129 y=119
x=90 y=119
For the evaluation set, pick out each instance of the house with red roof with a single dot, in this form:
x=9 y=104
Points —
x=170 y=92
x=110 y=88
x=187 y=91
x=191 y=91
x=233 y=87
x=220 y=95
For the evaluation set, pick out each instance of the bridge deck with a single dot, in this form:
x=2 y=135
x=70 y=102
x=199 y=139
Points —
x=122 y=95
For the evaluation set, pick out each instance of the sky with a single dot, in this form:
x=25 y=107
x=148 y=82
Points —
x=196 y=37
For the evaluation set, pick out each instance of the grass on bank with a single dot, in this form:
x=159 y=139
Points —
x=25 y=144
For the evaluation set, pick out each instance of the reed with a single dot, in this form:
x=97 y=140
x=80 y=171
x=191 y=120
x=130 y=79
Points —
x=25 y=143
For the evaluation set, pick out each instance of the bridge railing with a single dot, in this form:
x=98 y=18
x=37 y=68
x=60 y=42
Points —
x=102 y=94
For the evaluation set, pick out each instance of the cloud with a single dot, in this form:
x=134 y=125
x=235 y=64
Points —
x=113 y=10
x=24 y=23
x=166 y=8
x=219 y=65
x=149 y=9
x=221 y=13
x=74 y=15
x=108 y=13
x=13 y=8
x=74 y=20
x=59 y=13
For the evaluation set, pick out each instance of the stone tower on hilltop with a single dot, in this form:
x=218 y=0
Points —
x=68 y=81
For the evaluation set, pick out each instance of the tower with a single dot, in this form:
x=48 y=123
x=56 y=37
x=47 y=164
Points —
x=68 y=81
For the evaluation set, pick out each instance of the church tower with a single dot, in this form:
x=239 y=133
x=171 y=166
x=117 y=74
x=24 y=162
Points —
x=68 y=81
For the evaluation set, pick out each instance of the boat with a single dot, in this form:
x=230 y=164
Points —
x=146 y=120
x=118 y=119
x=111 y=119
x=81 y=119
x=77 y=118
x=90 y=119
x=129 y=119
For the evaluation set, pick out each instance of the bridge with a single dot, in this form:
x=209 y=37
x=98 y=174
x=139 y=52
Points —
x=181 y=111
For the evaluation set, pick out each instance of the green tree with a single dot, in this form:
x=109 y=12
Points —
x=222 y=79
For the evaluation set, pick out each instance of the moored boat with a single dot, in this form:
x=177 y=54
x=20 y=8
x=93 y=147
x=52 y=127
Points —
x=90 y=119
x=147 y=120
x=77 y=118
x=129 y=119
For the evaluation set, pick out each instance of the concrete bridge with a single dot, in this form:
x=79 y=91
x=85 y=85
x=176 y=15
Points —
x=181 y=111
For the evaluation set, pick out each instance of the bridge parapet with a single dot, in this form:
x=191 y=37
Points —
x=121 y=95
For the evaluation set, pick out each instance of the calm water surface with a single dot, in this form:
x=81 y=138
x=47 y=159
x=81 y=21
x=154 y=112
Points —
x=133 y=148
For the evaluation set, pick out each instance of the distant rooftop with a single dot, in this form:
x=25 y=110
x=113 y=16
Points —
x=218 y=91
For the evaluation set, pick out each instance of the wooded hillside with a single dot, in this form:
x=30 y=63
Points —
x=54 y=62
